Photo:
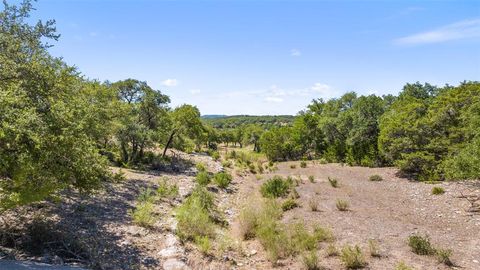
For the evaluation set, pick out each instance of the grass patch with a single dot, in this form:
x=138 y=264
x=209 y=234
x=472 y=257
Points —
x=332 y=250
x=403 y=266
x=313 y=204
x=342 y=205
x=443 y=256
x=303 y=164
x=353 y=257
x=374 y=249
x=204 y=244
x=438 y=191
x=275 y=187
x=203 y=178
x=201 y=167
x=227 y=163
x=289 y=204
x=333 y=182
x=375 y=178
x=311 y=178
x=143 y=214
x=165 y=190
x=310 y=260
x=222 y=179
x=420 y=245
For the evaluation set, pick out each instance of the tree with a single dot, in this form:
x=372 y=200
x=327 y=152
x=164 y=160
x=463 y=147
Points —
x=184 y=122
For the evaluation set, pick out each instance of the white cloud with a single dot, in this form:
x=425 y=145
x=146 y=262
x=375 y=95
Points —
x=274 y=99
x=295 y=52
x=93 y=34
x=455 y=31
x=170 y=82
x=195 y=91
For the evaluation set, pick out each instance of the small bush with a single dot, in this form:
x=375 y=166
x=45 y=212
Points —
x=289 y=204
x=166 y=190
x=293 y=166
x=332 y=250
x=420 y=245
x=118 y=176
x=322 y=161
x=313 y=204
x=353 y=257
x=403 y=266
x=222 y=179
x=146 y=195
x=333 y=182
x=201 y=167
x=342 y=205
x=203 y=178
x=311 y=178
x=310 y=260
x=375 y=178
x=294 y=194
x=275 y=187
x=323 y=234
x=227 y=163
x=203 y=243
x=215 y=155
x=303 y=164
x=373 y=248
x=438 y=190
x=143 y=214
x=443 y=256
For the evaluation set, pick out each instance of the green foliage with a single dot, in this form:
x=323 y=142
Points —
x=203 y=243
x=143 y=214
x=227 y=163
x=311 y=178
x=420 y=245
x=203 y=178
x=403 y=266
x=289 y=204
x=332 y=250
x=146 y=195
x=437 y=190
x=375 y=178
x=303 y=164
x=165 y=190
x=353 y=257
x=201 y=167
x=443 y=256
x=215 y=155
x=226 y=122
x=222 y=179
x=333 y=182
x=342 y=205
x=275 y=187
x=310 y=260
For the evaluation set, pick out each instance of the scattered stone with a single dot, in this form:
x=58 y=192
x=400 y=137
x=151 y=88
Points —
x=175 y=264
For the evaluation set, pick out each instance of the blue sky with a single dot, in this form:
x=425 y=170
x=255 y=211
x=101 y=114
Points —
x=268 y=57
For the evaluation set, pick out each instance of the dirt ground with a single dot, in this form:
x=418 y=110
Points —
x=387 y=211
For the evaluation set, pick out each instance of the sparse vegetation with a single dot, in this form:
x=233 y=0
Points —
x=375 y=178
x=310 y=260
x=204 y=244
x=293 y=166
x=200 y=166
x=353 y=257
x=443 y=256
x=333 y=182
x=165 y=190
x=373 y=248
x=342 y=205
x=313 y=204
x=332 y=250
x=143 y=214
x=403 y=266
x=438 y=190
x=420 y=245
x=303 y=164
x=222 y=179
x=289 y=204
x=311 y=178
x=203 y=178
x=275 y=187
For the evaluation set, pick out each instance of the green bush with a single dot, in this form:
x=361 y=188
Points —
x=342 y=205
x=353 y=257
x=200 y=167
x=437 y=190
x=303 y=164
x=311 y=178
x=166 y=190
x=203 y=178
x=420 y=245
x=215 y=155
x=146 y=195
x=222 y=179
x=143 y=214
x=322 y=161
x=227 y=163
x=418 y=165
x=275 y=187
x=443 y=256
x=203 y=243
x=289 y=204
x=375 y=177
x=333 y=182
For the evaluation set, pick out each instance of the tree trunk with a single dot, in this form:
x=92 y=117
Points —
x=170 y=139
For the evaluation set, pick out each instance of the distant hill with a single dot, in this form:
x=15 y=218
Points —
x=213 y=116
x=233 y=121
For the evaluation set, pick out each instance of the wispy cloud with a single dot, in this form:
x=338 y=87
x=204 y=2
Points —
x=455 y=31
x=273 y=99
x=170 y=82
x=195 y=91
x=295 y=52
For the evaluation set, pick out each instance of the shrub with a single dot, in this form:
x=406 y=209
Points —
x=342 y=205
x=222 y=179
x=333 y=182
x=403 y=266
x=293 y=166
x=203 y=243
x=437 y=190
x=353 y=257
x=146 y=195
x=332 y=250
x=194 y=216
x=313 y=204
x=275 y=187
x=289 y=204
x=373 y=248
x=143 y=214
x=443 y=256
x=166 y=190
x=322 y=161
x=420 y=245
x=375 y=178
x=227 y=163
x=303 y=164
x=201 y=167
x=310 y=260
x=311 y=178
x=252 y=169
x=323 y=234
x=203 y=178
x=294 y=194
x=119 y=176
x=215 y=155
